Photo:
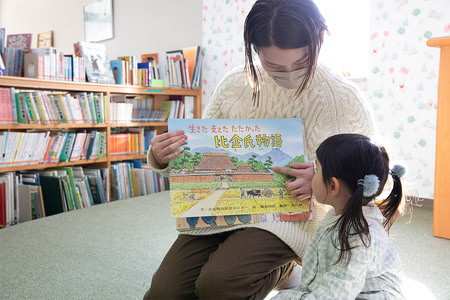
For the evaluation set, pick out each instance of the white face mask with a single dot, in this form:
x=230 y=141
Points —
x=288 y=80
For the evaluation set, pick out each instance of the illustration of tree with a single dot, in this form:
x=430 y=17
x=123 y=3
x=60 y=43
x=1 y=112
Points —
x=268 y=164
x=181 y=160
x=184 y=159
x=252 y=161
x=235 y=161
x=197 y=158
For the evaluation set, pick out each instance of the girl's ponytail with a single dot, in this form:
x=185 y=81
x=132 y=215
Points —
x=391 y=204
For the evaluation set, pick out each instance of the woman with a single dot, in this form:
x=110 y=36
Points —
x=248 y=261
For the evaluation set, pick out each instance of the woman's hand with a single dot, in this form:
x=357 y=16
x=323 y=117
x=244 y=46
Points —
x=300 y=187
x=163 y=146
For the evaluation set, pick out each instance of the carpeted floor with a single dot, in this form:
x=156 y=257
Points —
x=425 y=258
x=110 y=251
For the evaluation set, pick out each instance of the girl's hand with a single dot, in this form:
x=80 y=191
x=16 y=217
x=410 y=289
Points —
x=300 y=188
x=163 y=146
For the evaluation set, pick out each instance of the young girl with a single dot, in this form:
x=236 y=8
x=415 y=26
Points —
x=350 y=255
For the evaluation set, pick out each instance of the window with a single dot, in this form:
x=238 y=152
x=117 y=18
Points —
x=346 y=50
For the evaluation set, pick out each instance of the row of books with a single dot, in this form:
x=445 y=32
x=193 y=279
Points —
x=48 y=63
x=12 y=50
x=127 y=141
x=12 y=64
x=31 y=147
x=29 y=195
x=19 y=59
x=131 y=140
x=132 y=179
x=139 y=109
x=128 y=71
x=43 y=107
x=181 y=107
x=183 y=67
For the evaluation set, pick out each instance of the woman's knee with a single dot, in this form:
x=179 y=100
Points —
x=211 y=284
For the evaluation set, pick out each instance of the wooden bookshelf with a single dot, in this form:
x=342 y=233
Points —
x=158 y=95
x=441 y=203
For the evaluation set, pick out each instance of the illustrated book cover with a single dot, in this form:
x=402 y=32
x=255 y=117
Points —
x=19 y=41
x=98 y=68
x=225 y=169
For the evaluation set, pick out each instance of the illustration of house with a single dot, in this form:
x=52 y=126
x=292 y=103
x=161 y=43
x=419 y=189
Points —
x=218 y=167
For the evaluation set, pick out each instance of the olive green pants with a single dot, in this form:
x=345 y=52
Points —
x=243 y=264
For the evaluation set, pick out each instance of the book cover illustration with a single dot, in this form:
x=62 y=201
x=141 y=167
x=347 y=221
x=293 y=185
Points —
x=98 y=68
x=193 y=223
x=19 y=41
x=225 y=167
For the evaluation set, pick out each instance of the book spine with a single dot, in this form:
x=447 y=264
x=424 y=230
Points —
x=14 y=105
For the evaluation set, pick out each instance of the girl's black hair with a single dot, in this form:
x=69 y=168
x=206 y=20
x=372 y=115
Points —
x=350 y=157
x=286 y=24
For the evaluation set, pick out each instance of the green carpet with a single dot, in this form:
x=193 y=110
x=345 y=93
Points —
x=109 y=251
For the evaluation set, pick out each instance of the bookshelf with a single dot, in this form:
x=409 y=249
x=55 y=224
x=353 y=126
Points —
x=157 y=94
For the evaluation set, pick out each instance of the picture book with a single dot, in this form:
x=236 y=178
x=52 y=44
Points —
x=98 y=68
x=19 y=41
x=226 y=167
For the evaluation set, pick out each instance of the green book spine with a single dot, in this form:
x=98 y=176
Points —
x=58 y=105
x=72 y=187
x=65 y=154
x=21 y=109
x=102 y=144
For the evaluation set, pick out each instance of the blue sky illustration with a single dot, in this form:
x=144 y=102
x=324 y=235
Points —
x=291 y=132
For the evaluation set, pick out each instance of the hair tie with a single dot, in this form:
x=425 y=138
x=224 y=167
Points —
x=370 y=184
x=398 y=171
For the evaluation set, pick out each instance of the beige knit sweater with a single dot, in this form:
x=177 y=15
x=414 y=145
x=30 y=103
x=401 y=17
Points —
x=329 y=105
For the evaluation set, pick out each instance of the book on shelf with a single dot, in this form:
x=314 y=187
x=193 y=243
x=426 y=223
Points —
x=176 y=69
x=97 y=66
x=153 y=60
x=193 y=58
x=19 y=41
x=2 y=40
x=225 y=167
x=8 y=213
x=95 y=181
x=131 y=178
x=13 y=60
x=188 y=107
x=53 y=194
x=183 y=67
x=6 y=107
x=34 y=66
x=2 y=65
x=31 y=202
x=117 y=67
x=130 y=69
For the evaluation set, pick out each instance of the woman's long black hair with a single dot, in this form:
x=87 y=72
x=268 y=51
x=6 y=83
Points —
x=349 y=158
x=286 y=24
